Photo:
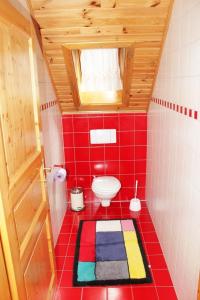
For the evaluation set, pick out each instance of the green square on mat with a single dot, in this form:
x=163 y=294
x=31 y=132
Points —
x=86 y=271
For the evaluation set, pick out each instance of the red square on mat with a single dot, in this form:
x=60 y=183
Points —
x=87 y=250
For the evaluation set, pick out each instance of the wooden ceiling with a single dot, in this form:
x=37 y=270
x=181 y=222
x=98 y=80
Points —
x=142 y=23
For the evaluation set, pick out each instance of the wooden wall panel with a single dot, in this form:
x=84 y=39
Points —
x=38 y=274
x=17 y=108
x=27 y=209
x=4 y=283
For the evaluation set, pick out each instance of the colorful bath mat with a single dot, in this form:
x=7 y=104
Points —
x=109 y=252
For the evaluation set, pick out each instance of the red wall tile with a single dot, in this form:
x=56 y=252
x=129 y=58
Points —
x=126 y=159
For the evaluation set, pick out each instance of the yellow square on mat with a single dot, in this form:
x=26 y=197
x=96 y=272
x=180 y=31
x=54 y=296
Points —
x=135 y=261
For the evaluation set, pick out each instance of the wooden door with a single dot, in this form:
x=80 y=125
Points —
x=24 y=210
x=4 y=284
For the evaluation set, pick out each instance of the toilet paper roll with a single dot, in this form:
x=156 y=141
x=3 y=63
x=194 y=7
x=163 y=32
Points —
x=59 y=174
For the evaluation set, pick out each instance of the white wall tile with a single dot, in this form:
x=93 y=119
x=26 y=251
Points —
x=173 y=166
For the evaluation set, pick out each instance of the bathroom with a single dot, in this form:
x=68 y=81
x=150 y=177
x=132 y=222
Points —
x=150 y=138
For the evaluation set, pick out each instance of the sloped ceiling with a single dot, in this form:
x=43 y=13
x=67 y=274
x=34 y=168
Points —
x=141 y=22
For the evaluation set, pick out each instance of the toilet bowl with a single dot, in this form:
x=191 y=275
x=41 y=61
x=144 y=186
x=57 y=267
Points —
x=105 y=188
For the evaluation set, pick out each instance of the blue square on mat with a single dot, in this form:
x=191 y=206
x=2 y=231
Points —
x=110 y=246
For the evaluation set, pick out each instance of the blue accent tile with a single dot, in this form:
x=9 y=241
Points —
x=110 y=246
x=86 y=271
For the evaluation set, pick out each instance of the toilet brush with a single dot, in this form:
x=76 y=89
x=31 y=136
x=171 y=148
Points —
x=135 y=204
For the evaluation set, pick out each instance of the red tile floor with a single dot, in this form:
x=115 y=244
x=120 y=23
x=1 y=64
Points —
x=160 y=289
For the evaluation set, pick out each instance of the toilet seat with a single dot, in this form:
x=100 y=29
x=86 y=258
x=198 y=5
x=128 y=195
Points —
x=106 y=184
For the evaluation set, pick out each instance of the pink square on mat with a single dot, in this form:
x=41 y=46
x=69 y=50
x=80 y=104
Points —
x=127 y=225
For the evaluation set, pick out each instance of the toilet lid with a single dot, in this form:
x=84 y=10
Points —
x=106 y=183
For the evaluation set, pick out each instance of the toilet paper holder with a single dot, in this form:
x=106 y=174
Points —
x=48 y=170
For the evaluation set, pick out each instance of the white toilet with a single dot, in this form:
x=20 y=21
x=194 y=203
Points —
x=105 y=188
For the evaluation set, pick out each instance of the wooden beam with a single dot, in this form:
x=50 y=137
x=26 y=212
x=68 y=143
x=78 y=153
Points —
x=9 y=13
x=97 y=44
x=129 y=55
x=72 y=76
x=162 y=45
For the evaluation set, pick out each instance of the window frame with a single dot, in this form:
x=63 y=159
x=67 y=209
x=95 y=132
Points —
x=126 y=76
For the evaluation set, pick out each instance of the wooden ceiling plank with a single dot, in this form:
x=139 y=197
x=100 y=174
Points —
x=143 y=3
x=98 y=30
x=121 y=37
x=108 y=3
x=102 y=13
x=64 y=21
x=97 y=4
x=74 y=4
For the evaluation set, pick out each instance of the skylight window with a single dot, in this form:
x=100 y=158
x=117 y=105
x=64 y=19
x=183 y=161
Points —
x=100 y=70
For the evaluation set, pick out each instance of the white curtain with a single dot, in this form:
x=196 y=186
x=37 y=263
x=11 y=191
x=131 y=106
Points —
x=100 y=70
